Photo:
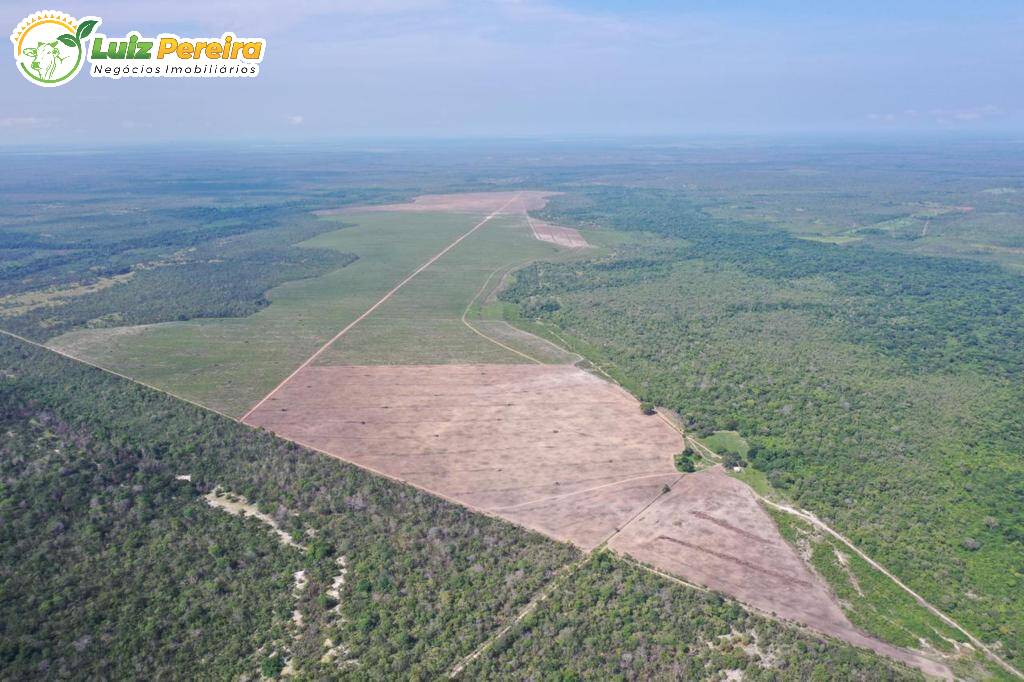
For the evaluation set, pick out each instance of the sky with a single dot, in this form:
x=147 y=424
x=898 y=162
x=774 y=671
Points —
x=356 y=69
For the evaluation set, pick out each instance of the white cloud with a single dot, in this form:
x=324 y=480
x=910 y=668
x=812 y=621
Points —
x=967 y=115
x=25 y=122
x=295 y=120
x=942 y=117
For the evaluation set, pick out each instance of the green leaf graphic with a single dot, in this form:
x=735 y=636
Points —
x=68 y=40
x=85 y=28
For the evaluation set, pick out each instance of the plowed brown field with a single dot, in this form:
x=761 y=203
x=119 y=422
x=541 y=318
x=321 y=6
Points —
x=550 y=447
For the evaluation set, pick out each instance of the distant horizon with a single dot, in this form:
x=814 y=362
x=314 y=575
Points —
x=400 y=142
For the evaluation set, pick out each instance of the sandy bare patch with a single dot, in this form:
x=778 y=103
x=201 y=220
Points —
x=16 y=304
x=239 y=506
x=711 y=531
x=339 y=580
x=550 y=447
x=467 y=202
x=300 y=582
x=562 y=236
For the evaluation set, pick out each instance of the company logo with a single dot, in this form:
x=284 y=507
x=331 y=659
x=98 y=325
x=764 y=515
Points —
x=48 y=46
x=51 y=47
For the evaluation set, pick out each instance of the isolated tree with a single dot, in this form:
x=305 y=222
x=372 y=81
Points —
x=684 y=463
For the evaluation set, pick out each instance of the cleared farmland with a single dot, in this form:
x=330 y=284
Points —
x=229 y=364
x=710 y=530
x=550 y=447
x=422 y=322
x=484 y=415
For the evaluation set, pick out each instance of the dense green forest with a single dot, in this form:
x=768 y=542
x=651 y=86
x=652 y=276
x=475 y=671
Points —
x=879 y=389
x=616 y=621
x=113 y=565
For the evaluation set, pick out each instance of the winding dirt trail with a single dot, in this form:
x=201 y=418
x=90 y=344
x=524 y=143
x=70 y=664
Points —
x=530 y=607
x=479 y=333
x=818 y=523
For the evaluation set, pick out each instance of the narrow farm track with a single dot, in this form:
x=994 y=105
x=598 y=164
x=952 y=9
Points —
x=530 y=607
x=818 y=523
x=485 y=336
x=384 y=299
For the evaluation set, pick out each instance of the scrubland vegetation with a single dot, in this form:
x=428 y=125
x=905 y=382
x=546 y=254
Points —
x=614 y=620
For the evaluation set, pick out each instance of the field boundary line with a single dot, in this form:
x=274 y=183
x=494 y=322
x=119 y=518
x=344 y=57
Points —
x=530 y=607
x=376 y=305
x=686 y=583
x=567 y=347
x=586 y=490
x=661 y=493
x=480 y=333
x=115 y=373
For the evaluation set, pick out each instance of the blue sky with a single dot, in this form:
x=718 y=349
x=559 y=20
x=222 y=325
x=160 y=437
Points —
x=347 y=69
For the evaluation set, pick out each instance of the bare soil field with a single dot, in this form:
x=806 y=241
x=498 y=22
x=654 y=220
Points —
x=563 y=236
x=469 y=202
x=710 y=530
x=550 y=447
